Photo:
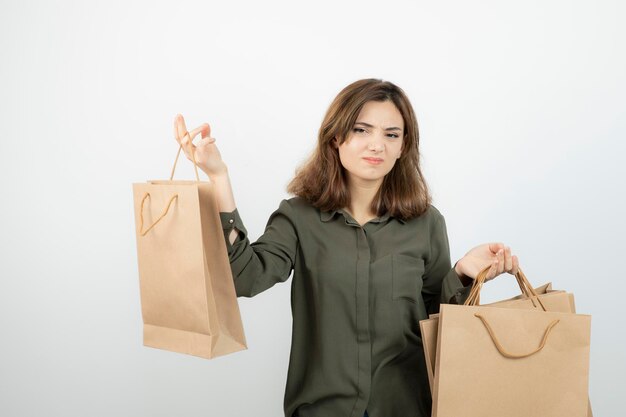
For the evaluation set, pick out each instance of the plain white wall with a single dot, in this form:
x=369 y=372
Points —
x=521 y=112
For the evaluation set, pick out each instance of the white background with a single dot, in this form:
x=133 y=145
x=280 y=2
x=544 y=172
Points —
x=520 y=106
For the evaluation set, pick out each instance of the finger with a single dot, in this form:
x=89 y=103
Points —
x=185 y=139
x=500 y=261
x=515 y=265
x=493 y=271
x=206 y=141
x=201 y=129
x=495 y=247
x=181 y=128
x=187 y=145
x=206 y=132
x=508 y=261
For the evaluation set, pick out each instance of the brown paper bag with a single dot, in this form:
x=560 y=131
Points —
x=554 y=300
x=479 y=373
x=188 y=299
x=494 y=361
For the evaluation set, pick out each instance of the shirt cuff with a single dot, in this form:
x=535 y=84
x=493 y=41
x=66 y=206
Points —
x=455 y=287
x=231 y=220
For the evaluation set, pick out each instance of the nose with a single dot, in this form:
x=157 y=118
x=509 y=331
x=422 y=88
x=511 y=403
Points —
x=376 y=146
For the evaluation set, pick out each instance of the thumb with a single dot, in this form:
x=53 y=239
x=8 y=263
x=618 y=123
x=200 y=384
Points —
x=207 y=140
x=495 y=247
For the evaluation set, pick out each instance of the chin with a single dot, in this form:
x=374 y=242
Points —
x=367 y=174
x=370 y=177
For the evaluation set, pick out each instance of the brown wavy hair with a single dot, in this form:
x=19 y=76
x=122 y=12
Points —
x=321 y=179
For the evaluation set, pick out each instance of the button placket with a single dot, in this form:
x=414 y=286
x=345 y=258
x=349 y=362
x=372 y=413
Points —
x=363 y=319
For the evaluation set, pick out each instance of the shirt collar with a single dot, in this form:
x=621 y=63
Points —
x=326 y=216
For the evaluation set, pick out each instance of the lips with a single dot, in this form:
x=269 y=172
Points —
x=374 y=161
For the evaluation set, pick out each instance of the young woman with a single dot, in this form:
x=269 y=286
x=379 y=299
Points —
x=369 y=255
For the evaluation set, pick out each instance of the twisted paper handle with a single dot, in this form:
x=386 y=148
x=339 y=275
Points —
x=143 y=200
x=503 y=351
x=193 y=157
x=195 y=167
x=525 y=287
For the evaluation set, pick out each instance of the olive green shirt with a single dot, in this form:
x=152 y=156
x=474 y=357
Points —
x=357 y=296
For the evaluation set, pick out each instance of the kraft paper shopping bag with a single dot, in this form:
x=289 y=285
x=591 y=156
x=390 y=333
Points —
x=494 y=361
x=560 y=301
x=188 y=299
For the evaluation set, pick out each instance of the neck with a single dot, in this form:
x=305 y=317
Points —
x=361 y=195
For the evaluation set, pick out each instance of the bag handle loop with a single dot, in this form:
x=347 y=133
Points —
x=525 y=287
x=501 y=349
x=175 y=196
x=193 y=157
x=143 y=233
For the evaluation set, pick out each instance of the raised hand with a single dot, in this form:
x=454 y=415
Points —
x=495 y=254
x=206 y=154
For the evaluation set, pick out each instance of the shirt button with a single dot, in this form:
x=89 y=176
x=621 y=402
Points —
x=231 y=221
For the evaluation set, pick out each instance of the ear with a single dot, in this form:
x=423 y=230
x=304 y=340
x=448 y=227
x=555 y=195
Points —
x=335 y=142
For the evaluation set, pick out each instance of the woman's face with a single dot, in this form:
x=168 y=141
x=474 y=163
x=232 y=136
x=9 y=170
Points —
x=374 y=144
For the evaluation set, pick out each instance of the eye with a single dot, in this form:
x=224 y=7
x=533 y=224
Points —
x=358 y=129
x=393 y=135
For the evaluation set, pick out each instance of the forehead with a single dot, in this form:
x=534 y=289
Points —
x=381 y=114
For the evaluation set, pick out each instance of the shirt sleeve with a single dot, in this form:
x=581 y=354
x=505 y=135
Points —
x=441 y=282
x=259 y=265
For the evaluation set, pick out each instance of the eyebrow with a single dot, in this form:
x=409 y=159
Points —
x=369 y=125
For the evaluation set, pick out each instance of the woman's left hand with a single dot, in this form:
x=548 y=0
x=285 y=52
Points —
x=495 y=254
